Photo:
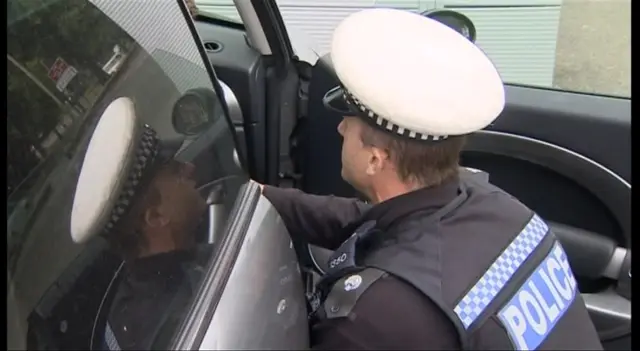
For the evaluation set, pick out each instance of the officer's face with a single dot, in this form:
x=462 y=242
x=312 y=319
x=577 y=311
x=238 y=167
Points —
x=355 y=156
x=180 y=203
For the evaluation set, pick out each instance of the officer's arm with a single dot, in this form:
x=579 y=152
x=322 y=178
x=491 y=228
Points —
x=389 y=315
x=316 y=219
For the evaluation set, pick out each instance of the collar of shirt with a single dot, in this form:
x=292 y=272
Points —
x=390 y=212
x=427 y=200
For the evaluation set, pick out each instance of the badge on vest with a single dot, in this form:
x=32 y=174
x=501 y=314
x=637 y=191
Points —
x=352 y=283
x=532 y=313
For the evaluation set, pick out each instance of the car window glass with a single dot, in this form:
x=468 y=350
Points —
x=573 y=45
x=218 y=9
x=66 y=61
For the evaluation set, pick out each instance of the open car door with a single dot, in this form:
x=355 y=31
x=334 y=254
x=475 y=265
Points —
x=562 y=145
x=81 y=55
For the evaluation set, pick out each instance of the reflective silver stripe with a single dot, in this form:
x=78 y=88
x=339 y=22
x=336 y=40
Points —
x=110 y=339
x=104 y=298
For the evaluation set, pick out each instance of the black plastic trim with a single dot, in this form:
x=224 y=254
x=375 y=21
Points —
x=275 y=30
x=207 y=17
x=595 y=126
x=607 y=186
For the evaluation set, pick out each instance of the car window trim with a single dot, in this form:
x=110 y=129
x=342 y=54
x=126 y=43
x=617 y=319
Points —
x=275 y=31
x=562 y=90
x=192 y=331
x=218 y=20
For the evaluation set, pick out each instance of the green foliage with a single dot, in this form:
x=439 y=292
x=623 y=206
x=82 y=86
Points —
x=39 y=32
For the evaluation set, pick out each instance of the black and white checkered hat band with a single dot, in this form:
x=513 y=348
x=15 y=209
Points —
x=145 y=156
x=385 y=123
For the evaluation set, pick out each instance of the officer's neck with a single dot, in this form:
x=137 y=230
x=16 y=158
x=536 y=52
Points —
x=385 y=189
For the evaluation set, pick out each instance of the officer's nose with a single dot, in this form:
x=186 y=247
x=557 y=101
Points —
x=341 y=127
x=188 y=169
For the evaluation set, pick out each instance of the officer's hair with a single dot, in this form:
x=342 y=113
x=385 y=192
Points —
x=429 y=164
x=127 y=237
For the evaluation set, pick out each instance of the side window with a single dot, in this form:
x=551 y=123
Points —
x=67 y=60
x=573 y=45
x=221 y=9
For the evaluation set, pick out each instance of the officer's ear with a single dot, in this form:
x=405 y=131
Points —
x=377 y=161
x=154 y=214
x=155 y=218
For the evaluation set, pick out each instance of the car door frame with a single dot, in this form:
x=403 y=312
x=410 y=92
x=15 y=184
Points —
x=191 y=331
x=266 y=33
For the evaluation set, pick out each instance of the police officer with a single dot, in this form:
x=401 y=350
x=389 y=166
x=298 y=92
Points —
x=442 y=259
x=132 y=192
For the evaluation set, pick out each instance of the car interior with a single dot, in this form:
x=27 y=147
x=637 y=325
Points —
x=58 y=322
x=565 y=155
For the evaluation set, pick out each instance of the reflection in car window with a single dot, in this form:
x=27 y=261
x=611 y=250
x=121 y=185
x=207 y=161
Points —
x=67 y=60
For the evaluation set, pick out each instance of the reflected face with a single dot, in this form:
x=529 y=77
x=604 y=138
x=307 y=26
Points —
x=180 y=202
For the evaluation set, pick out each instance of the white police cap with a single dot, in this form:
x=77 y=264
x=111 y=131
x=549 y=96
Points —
x=117 y=162
x=412 y=76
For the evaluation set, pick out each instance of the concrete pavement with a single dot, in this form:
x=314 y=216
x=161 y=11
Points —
x=594 y=47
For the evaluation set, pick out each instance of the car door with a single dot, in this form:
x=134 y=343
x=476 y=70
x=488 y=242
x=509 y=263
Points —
x=62 y=73
x=562 y=144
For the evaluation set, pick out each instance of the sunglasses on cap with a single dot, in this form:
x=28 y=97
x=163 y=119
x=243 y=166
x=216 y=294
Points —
x=334 y=100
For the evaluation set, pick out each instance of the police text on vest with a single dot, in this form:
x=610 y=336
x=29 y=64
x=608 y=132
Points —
x=534 y=310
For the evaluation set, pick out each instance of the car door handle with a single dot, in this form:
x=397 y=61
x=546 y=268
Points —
x=591 y=255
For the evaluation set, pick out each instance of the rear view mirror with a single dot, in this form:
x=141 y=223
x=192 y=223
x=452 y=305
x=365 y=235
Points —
x=454 y=20
x=195 y=111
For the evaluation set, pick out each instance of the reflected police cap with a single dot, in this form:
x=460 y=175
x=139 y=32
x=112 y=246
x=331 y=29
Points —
x=119 y=161
x=412 y=76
